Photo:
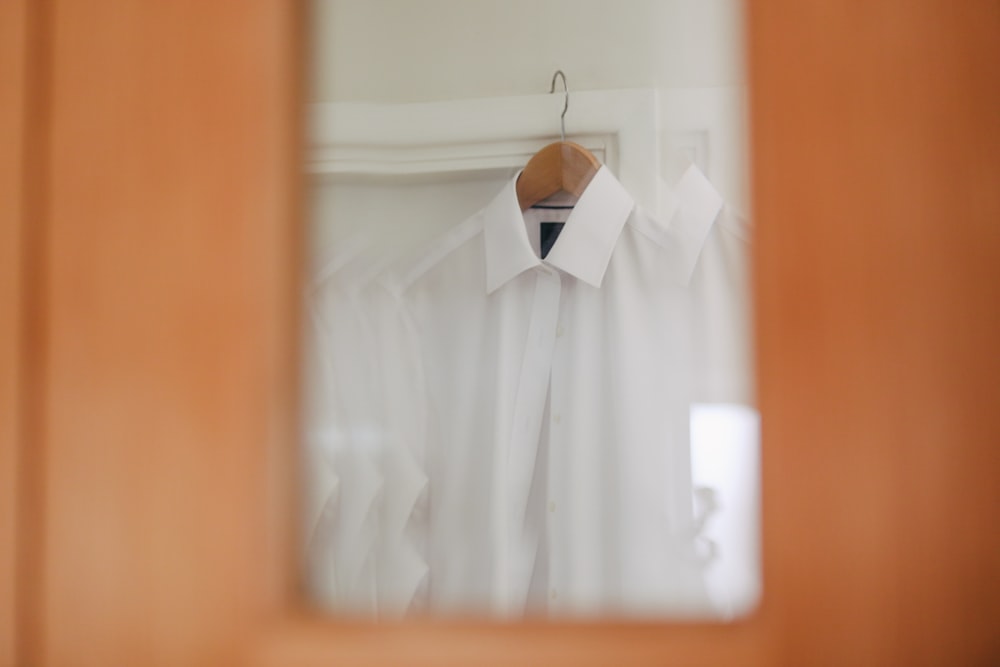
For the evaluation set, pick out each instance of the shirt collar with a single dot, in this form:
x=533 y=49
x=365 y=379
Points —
x=586 y=242
x=687 y=213
x=584 y=246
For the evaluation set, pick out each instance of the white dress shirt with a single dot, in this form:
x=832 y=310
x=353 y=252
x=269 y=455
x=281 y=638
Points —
x=363 y=543
x=548 y=399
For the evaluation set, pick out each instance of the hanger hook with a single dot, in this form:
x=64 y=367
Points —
x=562 y=118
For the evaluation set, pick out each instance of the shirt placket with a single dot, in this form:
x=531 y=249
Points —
x=558 y=412
x=529 y=410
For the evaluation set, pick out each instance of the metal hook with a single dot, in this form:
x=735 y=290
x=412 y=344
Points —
x=562 y=118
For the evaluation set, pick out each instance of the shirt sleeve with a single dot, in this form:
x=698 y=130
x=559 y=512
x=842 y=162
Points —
x=402 y=549
x=342 y=477
x=721 y=314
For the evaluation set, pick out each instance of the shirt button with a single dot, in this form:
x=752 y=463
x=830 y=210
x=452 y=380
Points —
x=557 y=418
x=552 y=506
x=560 y=331
x=553 y=594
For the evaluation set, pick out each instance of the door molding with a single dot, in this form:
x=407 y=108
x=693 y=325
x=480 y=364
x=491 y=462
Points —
x=463 y=137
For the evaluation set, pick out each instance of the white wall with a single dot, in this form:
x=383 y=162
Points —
x=393 y=51
x=423 y=50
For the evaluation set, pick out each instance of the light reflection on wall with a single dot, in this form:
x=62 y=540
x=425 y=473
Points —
x=725 y=467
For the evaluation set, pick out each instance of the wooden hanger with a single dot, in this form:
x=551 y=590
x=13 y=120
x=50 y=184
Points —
x=562 y=166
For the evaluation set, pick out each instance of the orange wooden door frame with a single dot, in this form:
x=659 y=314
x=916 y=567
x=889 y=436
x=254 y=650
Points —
x=13 y=130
